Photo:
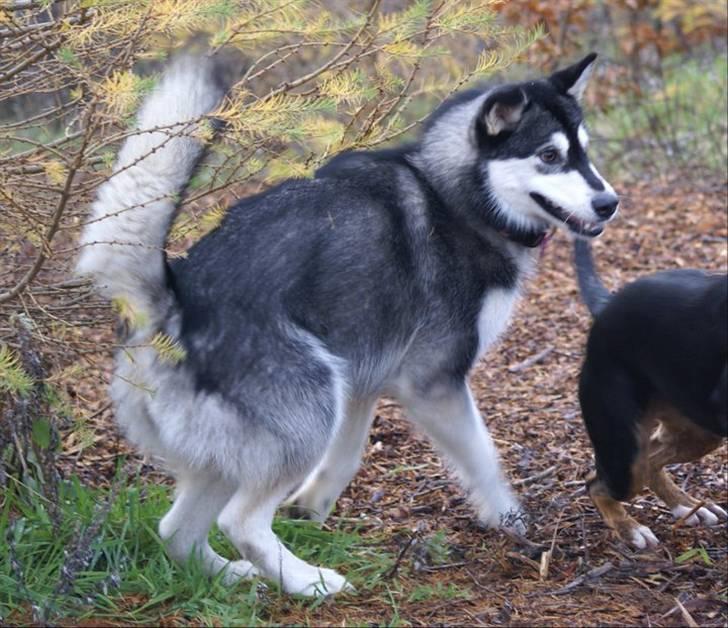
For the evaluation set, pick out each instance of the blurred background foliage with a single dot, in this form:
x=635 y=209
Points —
x=311 y=78
x=658 y=106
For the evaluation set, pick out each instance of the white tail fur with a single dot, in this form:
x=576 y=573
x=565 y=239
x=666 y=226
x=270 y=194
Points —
x=122 y=245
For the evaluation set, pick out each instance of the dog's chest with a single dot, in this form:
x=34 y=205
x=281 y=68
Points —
x=495 y=314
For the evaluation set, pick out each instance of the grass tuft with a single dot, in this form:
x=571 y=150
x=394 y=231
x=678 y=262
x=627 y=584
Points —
x=106 y=563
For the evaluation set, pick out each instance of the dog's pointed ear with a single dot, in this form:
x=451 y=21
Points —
x=502 y=110
x=573 y=80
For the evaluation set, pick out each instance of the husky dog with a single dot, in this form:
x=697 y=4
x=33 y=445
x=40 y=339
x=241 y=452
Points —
x=656 y=358
x=390 y=272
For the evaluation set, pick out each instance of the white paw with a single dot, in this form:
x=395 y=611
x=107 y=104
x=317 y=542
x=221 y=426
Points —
x=509 y=515
x=717 y=510
x=708 y=515
x=515 y=520
x=315 y=582
x=641 y=537
x=237 y=570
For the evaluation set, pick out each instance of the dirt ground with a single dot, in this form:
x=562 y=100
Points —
x=526 y=390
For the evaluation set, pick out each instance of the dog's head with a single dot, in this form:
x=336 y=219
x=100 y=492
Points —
x=524 y=147
x=535 y=143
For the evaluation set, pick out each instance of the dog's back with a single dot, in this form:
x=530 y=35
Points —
x=669 y=331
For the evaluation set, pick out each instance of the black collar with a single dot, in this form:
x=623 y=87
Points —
x=530 y=239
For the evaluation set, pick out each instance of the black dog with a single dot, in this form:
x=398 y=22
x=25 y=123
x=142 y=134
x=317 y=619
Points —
x=657 y=356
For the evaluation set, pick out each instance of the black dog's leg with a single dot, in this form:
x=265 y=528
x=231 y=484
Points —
x=719 y=398
x=613 y=408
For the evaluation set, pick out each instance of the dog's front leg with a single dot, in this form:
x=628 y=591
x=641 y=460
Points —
x=449 y=416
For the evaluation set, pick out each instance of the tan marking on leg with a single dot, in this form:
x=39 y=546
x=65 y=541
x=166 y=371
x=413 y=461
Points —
x=616 y=517
x=669 y=492
x=641 y=465
x=613 y=512
x=678 y=440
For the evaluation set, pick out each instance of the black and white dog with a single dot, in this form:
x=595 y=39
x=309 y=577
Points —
x=657 y=357
x=390 y=272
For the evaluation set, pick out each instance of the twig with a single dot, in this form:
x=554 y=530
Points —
x=328 y=65
x=681 y=521
x=473 y=618
x=543 y=568
x=590 y=575
x=583 y=537
x=393 y=570
x=543 y=571
x=491 y=591
x=66 y=194
x=521 y=540
x=438 y=485
x=686 y=616
x=536 y=476
x=101 y=410
x=462 y=563
x=534 y=359
x=524 y=559
x=30 y=60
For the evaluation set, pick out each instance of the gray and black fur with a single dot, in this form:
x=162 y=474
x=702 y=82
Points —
x=390 y=272
x=657 y=355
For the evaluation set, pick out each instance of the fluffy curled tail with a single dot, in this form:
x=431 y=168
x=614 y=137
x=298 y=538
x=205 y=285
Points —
x=593 y=292
x=123 y=241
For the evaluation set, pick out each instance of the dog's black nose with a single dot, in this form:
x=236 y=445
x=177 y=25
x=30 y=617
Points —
x=605 y=204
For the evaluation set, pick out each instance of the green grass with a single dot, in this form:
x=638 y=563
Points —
x=439 y=590
x=128 y=578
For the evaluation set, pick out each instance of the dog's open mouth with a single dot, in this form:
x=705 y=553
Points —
x=580 y=227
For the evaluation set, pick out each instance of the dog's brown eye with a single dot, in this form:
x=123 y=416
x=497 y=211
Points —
x=549 y=156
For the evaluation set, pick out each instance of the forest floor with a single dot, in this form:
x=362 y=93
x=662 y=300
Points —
x=436 y=565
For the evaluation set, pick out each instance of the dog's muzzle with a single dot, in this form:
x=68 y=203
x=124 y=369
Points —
x=575 y=225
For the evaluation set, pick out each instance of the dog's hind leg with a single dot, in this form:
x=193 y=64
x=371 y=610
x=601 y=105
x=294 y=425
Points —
x=302 y=402
x=199 y=499
x=449 y=416
x=319 y=492
x=246 y=520
x=676 y=440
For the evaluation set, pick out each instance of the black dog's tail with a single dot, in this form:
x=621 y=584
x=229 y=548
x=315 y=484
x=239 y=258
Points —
x=593 y=292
